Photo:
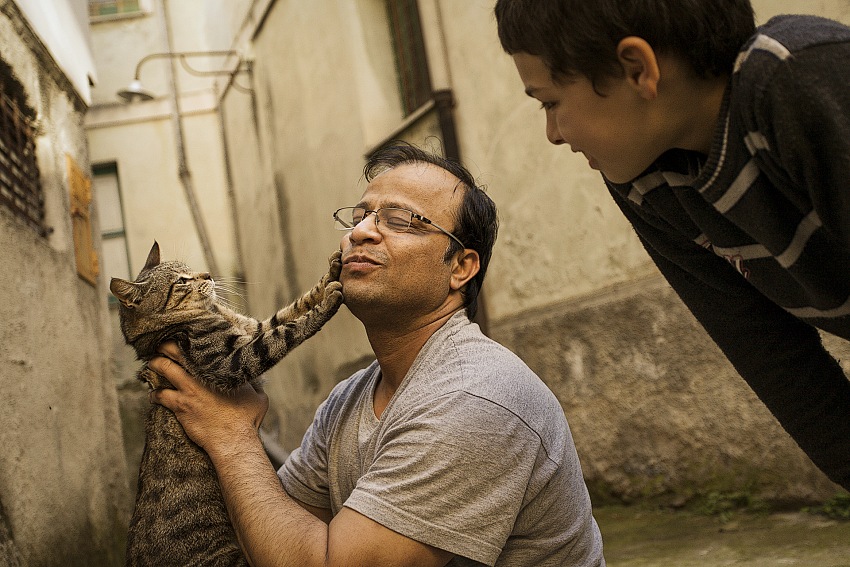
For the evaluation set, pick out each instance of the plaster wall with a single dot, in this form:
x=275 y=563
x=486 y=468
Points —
x=299 y=163
x=655 y=409
x=141 y=140
x=144 y=153
x=62 y=473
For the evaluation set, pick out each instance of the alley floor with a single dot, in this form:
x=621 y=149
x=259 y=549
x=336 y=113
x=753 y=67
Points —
x=640 y=537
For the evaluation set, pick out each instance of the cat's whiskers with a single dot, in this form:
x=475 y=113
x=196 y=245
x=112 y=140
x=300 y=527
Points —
x=230 y=295
x=230 y=304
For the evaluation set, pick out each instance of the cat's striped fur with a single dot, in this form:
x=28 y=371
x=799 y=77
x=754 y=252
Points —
x=179 y=517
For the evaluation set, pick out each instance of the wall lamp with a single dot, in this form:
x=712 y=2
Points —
x=136 y=92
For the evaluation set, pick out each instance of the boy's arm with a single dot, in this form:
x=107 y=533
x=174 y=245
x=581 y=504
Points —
x=781 y=358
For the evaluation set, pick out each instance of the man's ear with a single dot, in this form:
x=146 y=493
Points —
x=465 y=265
x=640 y=65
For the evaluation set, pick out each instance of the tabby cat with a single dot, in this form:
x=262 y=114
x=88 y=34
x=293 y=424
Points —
x=180 y=518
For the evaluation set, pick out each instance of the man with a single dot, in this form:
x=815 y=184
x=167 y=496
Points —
x=727 y=149
x=447 y=450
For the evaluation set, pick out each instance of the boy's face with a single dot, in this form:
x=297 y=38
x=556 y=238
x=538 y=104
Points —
x=609 y=129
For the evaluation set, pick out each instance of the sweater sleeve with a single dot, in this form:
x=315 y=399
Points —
x=780 y=357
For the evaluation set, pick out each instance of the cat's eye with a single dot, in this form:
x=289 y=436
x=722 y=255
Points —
x=182 y=280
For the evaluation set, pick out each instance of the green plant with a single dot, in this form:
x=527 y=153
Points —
x=725 y=504
x=836 y=508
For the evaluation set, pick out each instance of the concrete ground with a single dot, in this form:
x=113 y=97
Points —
x=636 y=537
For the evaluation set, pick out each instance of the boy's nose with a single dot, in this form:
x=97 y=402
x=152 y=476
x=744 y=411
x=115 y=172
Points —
x=552 y=132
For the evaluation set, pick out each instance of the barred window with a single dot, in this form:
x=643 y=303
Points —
x=98 y=8
x=411 y=60
x=20 y=184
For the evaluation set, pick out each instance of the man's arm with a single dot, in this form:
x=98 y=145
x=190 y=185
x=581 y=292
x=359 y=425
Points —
x=273 y=529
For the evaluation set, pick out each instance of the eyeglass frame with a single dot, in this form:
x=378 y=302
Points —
x=417 y=216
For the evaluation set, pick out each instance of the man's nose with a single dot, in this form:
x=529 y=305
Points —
x=366 y=229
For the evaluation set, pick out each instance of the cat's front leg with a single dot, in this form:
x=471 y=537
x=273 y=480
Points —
x=152 y=379
x=335 y=267
x=332 y=292
x=323 y=292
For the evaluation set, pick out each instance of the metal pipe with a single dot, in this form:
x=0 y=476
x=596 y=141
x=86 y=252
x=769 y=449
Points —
x=183 y=55
x=182 y=165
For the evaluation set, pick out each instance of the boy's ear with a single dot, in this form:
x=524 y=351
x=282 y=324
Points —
x=640 y=65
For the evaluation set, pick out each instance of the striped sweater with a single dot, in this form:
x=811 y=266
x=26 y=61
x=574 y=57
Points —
x=755 y=237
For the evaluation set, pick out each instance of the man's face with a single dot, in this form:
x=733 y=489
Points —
x=608 y=129
x=402 y=273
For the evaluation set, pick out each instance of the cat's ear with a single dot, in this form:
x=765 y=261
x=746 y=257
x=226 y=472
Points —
x=153 y=257
x=128 y=293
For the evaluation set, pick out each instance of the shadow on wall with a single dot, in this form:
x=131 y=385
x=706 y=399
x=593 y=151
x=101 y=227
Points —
x=9 y=556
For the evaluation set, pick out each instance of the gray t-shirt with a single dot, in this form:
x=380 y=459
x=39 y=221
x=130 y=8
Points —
x=472 y=455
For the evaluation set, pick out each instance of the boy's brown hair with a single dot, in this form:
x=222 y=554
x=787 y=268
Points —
x=581 y=36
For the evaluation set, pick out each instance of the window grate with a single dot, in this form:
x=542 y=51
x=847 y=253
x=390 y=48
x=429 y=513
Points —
x=411 y=59
x=20 y=186
x=99 y=8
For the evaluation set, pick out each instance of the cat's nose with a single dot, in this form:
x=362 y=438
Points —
x=205 y=276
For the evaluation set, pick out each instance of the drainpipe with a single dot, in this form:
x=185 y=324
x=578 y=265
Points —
x=182 y=166
x=433 y=32
x=228 y=170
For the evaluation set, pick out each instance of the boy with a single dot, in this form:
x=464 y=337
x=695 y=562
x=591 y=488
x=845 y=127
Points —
x=728 y=149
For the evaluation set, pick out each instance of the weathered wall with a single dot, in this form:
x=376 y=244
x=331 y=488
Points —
x=62 y=473
x=140 y=140
x=655 y=409
x=290 y=173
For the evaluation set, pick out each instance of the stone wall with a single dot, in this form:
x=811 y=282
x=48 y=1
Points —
x=62 y=473
x=656 y=410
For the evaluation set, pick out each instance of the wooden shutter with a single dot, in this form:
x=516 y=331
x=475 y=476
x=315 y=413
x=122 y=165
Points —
x=80 y=190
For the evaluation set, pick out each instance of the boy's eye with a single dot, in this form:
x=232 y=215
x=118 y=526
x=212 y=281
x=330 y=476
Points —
x=547 y=105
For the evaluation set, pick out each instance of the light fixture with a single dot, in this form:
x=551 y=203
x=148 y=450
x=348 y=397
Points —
x=135 y=92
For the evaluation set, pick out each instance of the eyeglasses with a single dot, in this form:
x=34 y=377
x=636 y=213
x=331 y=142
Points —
x=396 y=220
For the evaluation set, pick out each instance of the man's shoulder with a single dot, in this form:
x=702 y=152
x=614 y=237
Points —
x=493 y=374
x=475 y=353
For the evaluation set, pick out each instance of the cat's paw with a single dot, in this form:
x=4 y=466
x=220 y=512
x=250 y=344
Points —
x=335 y=265
x=152 y=379
x=333 y=295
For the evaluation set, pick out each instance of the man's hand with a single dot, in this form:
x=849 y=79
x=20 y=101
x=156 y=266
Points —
x=218 y=423
x=272 y=528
